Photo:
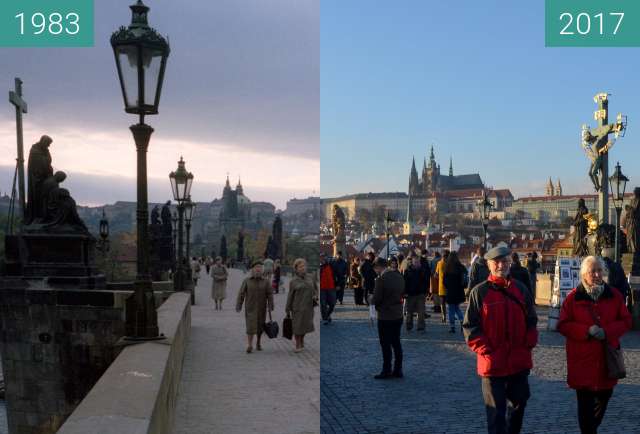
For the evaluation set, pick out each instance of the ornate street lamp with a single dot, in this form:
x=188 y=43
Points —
x=141 y=57
x=388 y=221
x=618 y=184
x=181 y=181
x=104 y=233
x=484 y=207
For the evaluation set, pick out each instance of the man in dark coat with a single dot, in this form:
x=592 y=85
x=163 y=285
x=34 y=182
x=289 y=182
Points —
x=518 y=272
x=616 y=277
x=416 y=284
x=479 y=270
x=387 y=299
x=340 y=270
x=368 y=276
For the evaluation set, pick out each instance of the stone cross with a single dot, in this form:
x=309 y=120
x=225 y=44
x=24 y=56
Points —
x=596 y=144
x=15 y=98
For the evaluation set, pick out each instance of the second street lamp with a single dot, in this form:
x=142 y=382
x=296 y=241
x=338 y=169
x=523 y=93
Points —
x=141 y=57
x=618 y=184
x=388 y=221
x=181 y=181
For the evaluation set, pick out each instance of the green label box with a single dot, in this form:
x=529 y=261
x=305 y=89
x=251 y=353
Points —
x=592 y=23
x=46 y=23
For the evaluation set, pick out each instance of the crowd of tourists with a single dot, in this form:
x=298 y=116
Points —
x=499 y=324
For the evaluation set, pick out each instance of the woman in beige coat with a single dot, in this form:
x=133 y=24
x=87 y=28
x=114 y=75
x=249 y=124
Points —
x=257 y=296
x=219 y=274
x=303 y=291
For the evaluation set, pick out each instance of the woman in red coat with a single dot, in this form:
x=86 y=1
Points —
x=593 y=314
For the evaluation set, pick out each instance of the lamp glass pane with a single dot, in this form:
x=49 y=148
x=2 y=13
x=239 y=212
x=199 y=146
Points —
x=151 y=62
x=128 y=59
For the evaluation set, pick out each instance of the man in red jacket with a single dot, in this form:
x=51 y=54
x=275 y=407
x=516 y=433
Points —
x=500 y=327
x=327 y=289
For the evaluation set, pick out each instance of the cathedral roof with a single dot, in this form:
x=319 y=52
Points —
x=460 y=182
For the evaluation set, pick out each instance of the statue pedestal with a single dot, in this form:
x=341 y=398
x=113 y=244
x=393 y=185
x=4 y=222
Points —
x=339 y=246
x=65 y=259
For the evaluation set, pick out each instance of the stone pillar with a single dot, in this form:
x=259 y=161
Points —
x=56 y=344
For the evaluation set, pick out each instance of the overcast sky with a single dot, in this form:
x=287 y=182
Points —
x=241 y=96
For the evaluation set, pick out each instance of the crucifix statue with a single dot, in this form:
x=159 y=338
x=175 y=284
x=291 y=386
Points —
x=597 y=144
x=15 y=98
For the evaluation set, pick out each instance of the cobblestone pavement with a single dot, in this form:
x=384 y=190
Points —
x=440 y=392
x=225 y=390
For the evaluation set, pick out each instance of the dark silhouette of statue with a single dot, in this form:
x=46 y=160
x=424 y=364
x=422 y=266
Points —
x=38 y=170
x=223 y=248
x=240 y=256
x=165 y=215
x=580 y=230
x=276 y=238
x=62 y=212
x=632 y=223
x=155 y=215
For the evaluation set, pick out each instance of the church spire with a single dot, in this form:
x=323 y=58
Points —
x=550 y=190
x=450 y=166
x=559 y=188
x=239 y=189
x=227 y=185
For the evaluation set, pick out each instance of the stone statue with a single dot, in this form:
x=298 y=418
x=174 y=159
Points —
x=165 y=215
x=62 y=212
x=155 y=215
x=38 y=170
x=632 y=222
x=277 y=238
x=338 y=223
x=597 y=144
x=49 y=186
x=580 y=230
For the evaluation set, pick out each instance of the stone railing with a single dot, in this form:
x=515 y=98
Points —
x=138 y=392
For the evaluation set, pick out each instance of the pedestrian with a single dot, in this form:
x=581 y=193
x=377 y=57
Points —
x=500 y=327
x=455 y=280
x=616 y=277
x=442 y=290
x=434 y=282
x=257 y=297
x=368 y=276
x=518 y=272
x=340 y=270
x=479 y=270
x=416 y=285
x=268 y=268
x=195 y=270
x=276 y=276
x=355 y=282
x=532 y=267
x=219 y=274
x=208 y=263
x=327 y=289
x=592 y=316
x=387 y=299
x=303 y=296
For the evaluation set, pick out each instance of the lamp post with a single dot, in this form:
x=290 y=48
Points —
x=484 y=207
x=141 y=57
x=388 y=221
x=189 y=210
x=181 y=181
x=618 y=184
x=174 y=225
x=104 y=234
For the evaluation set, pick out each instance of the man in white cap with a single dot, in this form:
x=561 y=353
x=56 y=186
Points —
x=500 y=327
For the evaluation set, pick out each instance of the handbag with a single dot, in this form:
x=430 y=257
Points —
x=613 y=357
x=271 y=327
x=287 y=328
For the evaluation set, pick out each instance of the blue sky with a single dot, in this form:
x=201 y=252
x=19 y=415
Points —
x=474 y=79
